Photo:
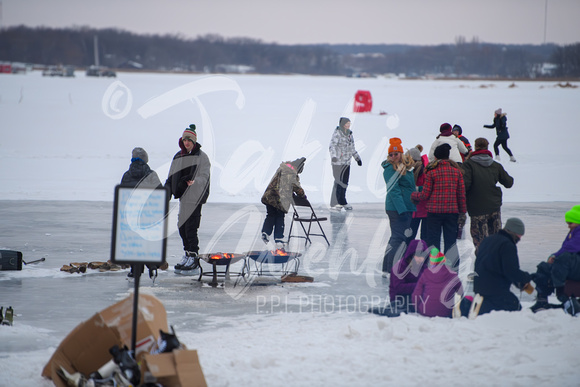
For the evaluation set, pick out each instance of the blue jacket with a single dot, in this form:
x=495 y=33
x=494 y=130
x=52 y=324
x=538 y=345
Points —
x=399 y=189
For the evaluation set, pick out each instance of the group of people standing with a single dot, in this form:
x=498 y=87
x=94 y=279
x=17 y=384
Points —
x=436 y=191
x=428 y=196
x=188 y=181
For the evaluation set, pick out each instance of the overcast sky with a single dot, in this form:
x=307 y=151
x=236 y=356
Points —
x=425 y=22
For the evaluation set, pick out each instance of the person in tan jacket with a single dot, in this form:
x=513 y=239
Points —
x=278 y=197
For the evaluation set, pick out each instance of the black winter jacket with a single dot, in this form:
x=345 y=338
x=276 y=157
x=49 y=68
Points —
x=189 y=166
x=500 y=125
x=497 y=266
x=139 y=172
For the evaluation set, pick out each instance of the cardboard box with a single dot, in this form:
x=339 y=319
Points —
x=179 y=368
x=86 y=348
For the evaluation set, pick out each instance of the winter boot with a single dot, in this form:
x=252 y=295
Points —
x=572 y=307
x=512 y=159
x=265 y=238
x=181 y=263
x=541 y=304
x=192 y=262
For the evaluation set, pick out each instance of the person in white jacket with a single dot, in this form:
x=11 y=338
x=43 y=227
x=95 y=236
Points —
x=342 y=151
x=446 y=137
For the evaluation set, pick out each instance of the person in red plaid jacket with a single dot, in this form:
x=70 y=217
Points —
x=444 y=191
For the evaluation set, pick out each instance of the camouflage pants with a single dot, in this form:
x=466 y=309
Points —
x=484 y=225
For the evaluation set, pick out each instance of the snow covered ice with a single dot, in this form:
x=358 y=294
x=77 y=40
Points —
x=66 y=142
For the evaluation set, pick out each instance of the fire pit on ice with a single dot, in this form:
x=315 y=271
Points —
x=276 y=257
x=220 y=259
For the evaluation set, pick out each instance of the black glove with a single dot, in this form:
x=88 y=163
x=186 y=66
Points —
x=334 y=159
x=359 y=162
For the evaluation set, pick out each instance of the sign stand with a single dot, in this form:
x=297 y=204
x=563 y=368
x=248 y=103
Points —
x=139 y=235
x=137 y=268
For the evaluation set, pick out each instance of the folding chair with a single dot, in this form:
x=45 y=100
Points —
x=304 y=213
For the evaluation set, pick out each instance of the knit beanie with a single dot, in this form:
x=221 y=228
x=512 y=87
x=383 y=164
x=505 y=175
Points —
x=481 y=143
x=442 y=152
x=573 y=216
x=343 y=121
x=515 y=225
x=498 y=112
x=445 y=129
x=395 y=145
x=139 y=153
x=415 y=154
x=436 y=257
x=190 y=133
x=457 y=128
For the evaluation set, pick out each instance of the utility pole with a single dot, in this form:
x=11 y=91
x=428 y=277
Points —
x=545 y=21
x=96 y=50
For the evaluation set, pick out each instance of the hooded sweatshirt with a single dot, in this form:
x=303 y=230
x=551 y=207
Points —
x=481 y=175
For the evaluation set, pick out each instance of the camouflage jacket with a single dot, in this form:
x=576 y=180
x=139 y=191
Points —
x=284 y=183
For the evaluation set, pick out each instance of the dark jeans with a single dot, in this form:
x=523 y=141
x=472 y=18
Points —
x=400 y=230
x=503 y=144
x=188 y=231
x=274 y=221
x=507 y=301
x=554 y=276
x=341 y=175
x=415 y=222
x=446 y=223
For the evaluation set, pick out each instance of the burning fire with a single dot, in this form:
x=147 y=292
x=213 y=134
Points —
x=220 y=256
x=279 y=252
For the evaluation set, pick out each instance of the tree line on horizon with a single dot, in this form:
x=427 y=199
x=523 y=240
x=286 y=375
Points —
x=213 y=53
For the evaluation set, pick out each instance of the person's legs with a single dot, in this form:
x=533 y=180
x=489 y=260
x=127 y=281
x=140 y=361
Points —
x=188 y=231
x=414 y=228
x=423 y=229
x=270 y=220
x=433 y=228
x=493 y=223
x=478 y=229
x=496 y=146
x=341 y=190
x=505 y=147
x=279 y=225
x=507 y=301
x=449 y=226
x=566 y=266
x=399 y=223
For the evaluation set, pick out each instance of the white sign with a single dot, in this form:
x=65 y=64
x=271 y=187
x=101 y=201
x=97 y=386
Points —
x=139 y=225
